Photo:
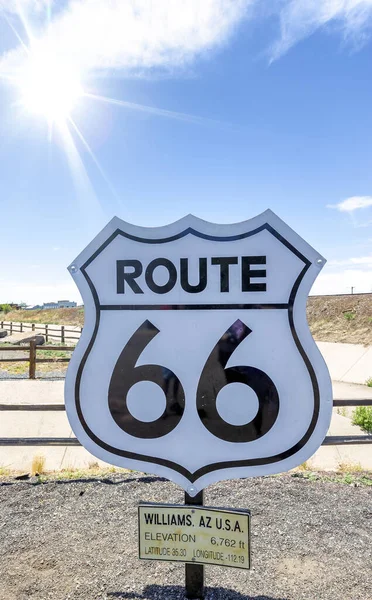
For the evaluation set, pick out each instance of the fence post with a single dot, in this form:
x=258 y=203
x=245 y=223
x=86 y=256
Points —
x=32 y=326
x=11 y=327
x=46 y=333
x=2 y=325
x=21 y=327
x=62 y=334
x=32 y=369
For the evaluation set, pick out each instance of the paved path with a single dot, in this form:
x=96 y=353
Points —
x=38 y=424
x=351 y=363
x=55 y=424
x=330 y=458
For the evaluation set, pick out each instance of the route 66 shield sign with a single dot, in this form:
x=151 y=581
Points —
x=196 y=362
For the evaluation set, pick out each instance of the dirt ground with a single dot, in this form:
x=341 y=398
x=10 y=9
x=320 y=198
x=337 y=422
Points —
x=58 y=316
x=77 y=540
x=346 y=319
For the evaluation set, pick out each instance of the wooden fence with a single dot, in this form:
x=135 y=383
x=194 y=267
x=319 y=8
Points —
x=32 y=358
x=330 y=440
x=62 y=332
x=32 y=348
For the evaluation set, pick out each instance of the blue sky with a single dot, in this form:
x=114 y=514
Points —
x=224 y=109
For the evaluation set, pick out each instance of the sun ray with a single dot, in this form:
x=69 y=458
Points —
x=81 y=179
x=50 y=131
x=94 y=158
x=49 y=12
x=23 y=19
x=11 y=26
x=159 y=112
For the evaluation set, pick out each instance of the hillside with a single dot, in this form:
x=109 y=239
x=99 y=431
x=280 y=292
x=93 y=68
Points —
x=346 y=319
x=59 y=316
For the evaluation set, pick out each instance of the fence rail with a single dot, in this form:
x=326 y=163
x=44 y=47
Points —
x=330 y=440
x=32 y=348
x=48 y=331
x=32 y=359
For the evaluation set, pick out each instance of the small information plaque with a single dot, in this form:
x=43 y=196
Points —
x=194 y=534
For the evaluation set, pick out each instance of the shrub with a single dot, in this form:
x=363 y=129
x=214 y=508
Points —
x=5 y=308
x=369 y=382
x=362 y=416
x=349 y=316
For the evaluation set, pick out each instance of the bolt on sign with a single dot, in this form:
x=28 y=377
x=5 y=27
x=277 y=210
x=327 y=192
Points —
x=196 y=362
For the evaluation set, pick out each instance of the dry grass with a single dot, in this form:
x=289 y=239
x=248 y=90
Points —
x=349 y=468
x=305 y=466
x=14 y=368
x=22 y=368
x=38 y=465
x=59 y=316
x=329 y=318
x=93 y=470
x=70 y=472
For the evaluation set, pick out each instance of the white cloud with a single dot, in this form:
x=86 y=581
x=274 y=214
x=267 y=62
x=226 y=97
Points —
x=352 y=203
x=138 y=35
x=301 y=18
x=357 y=261
x=135 y=34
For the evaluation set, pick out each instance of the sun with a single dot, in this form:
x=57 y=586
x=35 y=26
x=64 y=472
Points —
x=49 y=87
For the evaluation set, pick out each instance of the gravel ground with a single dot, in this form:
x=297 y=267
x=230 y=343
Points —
x=77 y=540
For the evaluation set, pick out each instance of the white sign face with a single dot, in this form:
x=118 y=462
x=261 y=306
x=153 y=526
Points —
x=196 y=362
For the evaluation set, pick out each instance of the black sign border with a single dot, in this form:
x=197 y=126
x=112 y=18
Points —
x=194 y=476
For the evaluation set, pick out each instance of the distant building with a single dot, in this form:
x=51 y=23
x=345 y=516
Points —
x=59 y=304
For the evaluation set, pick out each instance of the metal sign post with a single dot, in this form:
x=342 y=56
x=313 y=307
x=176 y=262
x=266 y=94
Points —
x=194 y=574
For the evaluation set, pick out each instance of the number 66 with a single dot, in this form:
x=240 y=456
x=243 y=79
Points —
x=215 y=376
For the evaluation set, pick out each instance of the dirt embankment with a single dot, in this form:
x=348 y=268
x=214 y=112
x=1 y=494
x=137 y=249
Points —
x=58 y=316
x=346 y=319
